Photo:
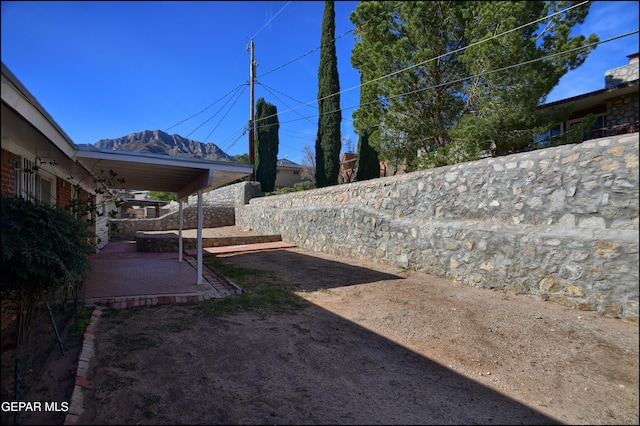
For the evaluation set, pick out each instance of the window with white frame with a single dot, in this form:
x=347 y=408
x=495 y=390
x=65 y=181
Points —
x=34 y=185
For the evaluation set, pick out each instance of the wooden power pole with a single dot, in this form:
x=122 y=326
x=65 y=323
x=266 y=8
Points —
x=251 y=112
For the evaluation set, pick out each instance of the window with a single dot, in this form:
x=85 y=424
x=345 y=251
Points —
x=33 y=185
x=549 y=138
x=597 y=130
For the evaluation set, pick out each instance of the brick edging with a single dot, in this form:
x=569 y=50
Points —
x=223 y=286
x=76 y=407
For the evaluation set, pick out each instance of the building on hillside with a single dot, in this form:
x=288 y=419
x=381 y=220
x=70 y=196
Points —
x=288 y=173
x=615 y=106
x=347 y=167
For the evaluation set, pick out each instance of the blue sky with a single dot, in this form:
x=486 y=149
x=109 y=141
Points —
x=107 y=69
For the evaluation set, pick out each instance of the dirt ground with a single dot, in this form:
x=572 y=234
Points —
x=375 y=345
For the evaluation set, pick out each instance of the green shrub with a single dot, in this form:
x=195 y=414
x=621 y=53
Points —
x=44 y=250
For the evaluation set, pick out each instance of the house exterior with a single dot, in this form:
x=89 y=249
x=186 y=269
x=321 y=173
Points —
x=30 y=138
x=347 y=167
x=615 y=106
x=288 y=173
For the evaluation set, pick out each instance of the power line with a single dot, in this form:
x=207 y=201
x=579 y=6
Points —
x=222 y=118
x=269 y=21
x=437 y=57
x=245 y=87
x=319 y=47
x=276 y=96
x=481 y=74
x=198 y=113
x=226 y=146
x=305 y=54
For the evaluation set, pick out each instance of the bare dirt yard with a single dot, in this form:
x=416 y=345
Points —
x=342 y=341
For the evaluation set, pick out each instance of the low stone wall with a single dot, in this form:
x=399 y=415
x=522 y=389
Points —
x=559 y=224
x=218 y=210
x=212 y=217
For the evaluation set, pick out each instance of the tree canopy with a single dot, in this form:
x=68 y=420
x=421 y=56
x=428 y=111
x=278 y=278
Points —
x=447 y=79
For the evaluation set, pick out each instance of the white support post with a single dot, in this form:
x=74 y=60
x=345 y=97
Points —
x=180 y=231
x=200 y=278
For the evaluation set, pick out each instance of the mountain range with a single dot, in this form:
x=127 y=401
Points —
x=159 y=142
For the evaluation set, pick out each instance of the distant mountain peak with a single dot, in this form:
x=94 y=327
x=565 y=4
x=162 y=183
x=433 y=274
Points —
x=159 y=142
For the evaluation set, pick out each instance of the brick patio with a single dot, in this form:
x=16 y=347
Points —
x=121 y=277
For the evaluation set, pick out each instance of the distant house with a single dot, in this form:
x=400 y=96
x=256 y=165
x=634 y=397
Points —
x=347 y=167
x=288 y=173
x=615 y=106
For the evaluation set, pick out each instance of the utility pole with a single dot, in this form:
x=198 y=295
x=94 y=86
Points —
x=251 y=112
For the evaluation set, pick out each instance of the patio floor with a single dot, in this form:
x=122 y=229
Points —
x=122 y=277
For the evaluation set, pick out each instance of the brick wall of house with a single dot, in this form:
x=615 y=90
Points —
x=63 y=193
x=8 y=172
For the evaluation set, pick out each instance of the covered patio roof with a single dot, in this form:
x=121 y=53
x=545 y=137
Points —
x=28 y=127
x=142 y=171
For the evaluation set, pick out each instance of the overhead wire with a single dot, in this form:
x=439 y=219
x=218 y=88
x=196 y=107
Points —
x=481 y=74
x=228 y=144
x=319 y=47
x=244 y=129
x=226 y=113
x=271 y=90
x=233 y=90
x=262 y=75
x=269 y=21
x=198 y=113
x=208 y=119
x=435 y=58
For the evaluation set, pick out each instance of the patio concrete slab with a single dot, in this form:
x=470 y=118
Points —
x=120 y=276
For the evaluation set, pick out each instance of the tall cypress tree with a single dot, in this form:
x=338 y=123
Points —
x=328 y=142
x=367 y=164
x=366 y=122
x=266 y=147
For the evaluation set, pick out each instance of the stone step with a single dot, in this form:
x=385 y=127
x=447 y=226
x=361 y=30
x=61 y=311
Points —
x=211 y=251
x=167 y=241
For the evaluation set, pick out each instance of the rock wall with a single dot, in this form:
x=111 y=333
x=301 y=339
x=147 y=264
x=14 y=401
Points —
x=218 y=210
x=559 y=224
x=212 y=217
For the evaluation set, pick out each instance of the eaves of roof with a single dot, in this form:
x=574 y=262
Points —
x=27 y=126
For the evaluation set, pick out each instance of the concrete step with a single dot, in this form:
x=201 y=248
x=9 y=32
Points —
x=167 y=241
x=211 y=251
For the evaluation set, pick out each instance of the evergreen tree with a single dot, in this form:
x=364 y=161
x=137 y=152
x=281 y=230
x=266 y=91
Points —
x=328 y=142
x=266 y=146
x=367 y=163
x=448 y=81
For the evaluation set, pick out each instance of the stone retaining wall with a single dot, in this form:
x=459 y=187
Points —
x=559 y=224
x=218 y=210
x=213 y=217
